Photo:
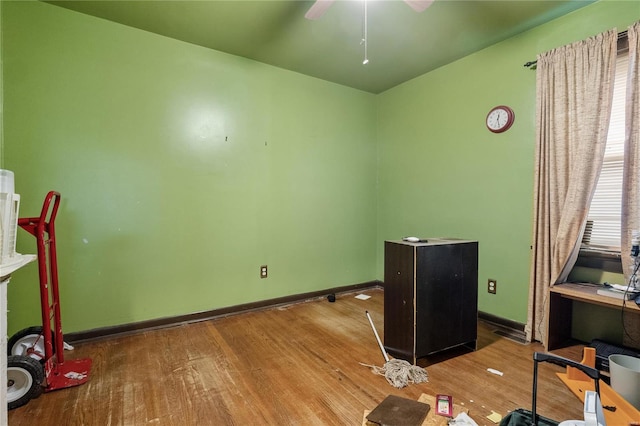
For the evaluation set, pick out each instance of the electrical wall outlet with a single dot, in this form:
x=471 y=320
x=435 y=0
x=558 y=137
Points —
x=263 y=271
x=491 y=286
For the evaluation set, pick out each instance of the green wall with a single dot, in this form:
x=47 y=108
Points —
x=442 y=173
x=182 y=170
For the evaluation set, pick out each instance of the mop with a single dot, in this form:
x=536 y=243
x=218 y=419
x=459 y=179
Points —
x=398 y=372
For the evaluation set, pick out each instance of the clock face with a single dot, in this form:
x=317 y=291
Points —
x=500 y=119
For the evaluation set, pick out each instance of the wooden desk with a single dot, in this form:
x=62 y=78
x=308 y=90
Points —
x=561 y=297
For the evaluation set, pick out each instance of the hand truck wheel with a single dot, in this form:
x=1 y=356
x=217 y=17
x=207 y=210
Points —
x=25 y=376
x=30 y=342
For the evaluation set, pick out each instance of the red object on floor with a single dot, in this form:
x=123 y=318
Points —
x=58 y=372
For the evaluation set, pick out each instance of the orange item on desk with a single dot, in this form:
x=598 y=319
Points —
x=578 y=383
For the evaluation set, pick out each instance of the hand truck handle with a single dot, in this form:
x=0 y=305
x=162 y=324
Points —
x=55 y=196
x=38 y=225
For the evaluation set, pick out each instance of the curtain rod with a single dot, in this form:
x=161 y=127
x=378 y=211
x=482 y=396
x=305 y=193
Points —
x=621 y=37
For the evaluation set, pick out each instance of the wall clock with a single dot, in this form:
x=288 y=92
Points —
x=500 y=119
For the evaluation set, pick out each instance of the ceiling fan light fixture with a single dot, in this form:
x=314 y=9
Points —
x=318 y=9
x=419 y=5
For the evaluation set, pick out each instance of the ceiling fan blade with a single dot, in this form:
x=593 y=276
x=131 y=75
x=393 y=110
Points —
x=318 y=9
x=419 y=5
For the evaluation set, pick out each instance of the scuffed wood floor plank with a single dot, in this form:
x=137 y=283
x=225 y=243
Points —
x=292 y=365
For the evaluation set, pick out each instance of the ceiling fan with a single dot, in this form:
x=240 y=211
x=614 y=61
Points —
x=320 y=7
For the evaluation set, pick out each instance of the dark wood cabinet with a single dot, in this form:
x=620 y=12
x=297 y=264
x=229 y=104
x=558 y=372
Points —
x=430 y=296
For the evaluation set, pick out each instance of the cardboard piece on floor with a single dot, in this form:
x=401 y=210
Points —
x=364 y=418
x=395 y=410
x=495 y=417
x=432 y=418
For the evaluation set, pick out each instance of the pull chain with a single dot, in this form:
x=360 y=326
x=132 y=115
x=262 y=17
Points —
x=365 y=35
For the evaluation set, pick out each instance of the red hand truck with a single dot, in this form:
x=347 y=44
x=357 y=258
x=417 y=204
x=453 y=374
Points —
x=36 y=354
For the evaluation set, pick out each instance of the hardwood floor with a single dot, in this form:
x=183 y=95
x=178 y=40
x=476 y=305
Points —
x=292 y=365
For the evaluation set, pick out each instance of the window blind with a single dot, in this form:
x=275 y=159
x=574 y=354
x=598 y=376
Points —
x=603 y=222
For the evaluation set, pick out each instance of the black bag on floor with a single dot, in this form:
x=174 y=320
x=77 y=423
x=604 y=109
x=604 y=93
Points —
x=522 y=417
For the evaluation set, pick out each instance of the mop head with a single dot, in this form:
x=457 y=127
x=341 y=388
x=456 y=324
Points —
x=399 y=373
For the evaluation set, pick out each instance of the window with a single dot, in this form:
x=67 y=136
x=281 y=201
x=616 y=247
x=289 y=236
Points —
x=602 y=232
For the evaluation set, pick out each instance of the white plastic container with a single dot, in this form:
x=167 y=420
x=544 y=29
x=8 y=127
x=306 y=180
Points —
x=625 y=377
x=9 y=207
x=6 y=181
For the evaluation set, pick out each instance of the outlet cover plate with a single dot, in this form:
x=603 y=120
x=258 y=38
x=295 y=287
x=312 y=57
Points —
x=491 y=286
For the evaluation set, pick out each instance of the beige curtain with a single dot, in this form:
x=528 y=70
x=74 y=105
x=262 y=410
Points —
x=631 y=180
x=631 y=175
x=574 y=95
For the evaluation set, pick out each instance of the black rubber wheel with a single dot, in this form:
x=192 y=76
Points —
x=25 y=376
x=28 y=342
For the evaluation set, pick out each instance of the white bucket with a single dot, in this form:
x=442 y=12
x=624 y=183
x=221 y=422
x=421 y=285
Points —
x=9 y=207
x=625 y=377
x=6 y=182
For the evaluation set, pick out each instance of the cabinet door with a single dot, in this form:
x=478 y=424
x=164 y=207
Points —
x=446 y=296
x=399 y=300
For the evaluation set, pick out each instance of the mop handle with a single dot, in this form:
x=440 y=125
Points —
x=386 y=357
